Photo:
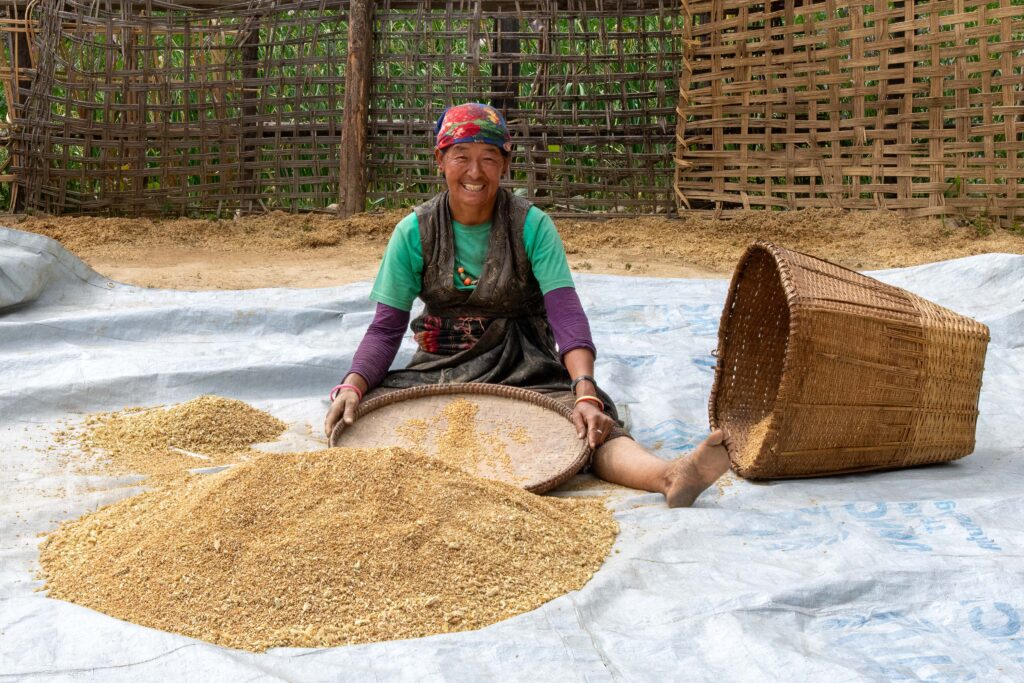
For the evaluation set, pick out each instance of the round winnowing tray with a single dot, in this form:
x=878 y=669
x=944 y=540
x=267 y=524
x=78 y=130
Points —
x=514 y=435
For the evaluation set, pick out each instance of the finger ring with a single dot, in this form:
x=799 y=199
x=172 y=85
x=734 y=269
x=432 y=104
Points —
x=599 y=431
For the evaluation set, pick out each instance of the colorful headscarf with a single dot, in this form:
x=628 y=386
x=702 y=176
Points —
x=472 y=122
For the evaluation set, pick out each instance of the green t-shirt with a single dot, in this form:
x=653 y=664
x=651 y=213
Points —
x=400 y=277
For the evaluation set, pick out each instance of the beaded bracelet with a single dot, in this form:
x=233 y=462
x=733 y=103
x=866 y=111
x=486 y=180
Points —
x=337 y=390
x=593 y=399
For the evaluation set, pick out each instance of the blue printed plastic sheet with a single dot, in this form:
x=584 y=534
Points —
x=907 y=575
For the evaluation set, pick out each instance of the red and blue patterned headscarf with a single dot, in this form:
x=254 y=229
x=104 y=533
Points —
x=472 y=122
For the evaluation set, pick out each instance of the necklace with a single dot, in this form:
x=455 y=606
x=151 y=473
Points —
x=466 y=280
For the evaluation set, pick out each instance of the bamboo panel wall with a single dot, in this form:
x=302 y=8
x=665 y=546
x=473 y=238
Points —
x=912 y=105
x=147 y=108
x=589 y=90
x=161 y=110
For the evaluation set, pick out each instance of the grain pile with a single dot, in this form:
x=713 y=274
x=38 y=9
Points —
x=329 y=548
x=746 y=457
x=270 y=233
x=165 y=442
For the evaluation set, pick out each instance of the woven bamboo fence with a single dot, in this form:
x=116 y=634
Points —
x=215 y=107
x=913 y=105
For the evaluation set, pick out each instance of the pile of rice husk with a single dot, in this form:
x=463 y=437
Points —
x=272 y=232
x=745 y=458
x=327 y=548
x=157 y=442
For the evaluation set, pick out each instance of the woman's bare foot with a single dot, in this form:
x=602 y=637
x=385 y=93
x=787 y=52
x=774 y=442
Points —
x=689 y=475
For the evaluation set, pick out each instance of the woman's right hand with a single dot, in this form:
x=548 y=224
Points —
x=343 y=408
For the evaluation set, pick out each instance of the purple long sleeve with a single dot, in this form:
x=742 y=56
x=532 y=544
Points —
x=568 y=321
x=380 y=344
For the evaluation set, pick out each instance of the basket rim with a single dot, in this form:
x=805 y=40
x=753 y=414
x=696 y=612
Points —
x=778 y=255
x=480 y=389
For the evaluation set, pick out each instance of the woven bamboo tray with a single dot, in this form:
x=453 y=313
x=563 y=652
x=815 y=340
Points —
x=822 y=370
x=525 y=438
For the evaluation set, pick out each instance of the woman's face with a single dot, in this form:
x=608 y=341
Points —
x=473 y=171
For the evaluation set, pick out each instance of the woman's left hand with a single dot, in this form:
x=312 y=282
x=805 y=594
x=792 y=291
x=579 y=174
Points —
x=592 y=423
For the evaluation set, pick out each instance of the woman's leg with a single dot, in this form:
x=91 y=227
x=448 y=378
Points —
x=625 y=462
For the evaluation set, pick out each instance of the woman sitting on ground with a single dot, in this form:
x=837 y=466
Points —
x=501 y=308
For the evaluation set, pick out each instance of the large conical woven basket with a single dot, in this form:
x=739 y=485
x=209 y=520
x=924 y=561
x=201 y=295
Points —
x=822 y=370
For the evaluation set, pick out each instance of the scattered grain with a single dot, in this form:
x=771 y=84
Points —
x=519 y=435
x=329 y=548
x=588 y=482
x=415 y=430
x=724 y=482
x=456 y=437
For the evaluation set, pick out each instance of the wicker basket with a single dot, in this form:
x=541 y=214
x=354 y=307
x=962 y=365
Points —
x=822 y=370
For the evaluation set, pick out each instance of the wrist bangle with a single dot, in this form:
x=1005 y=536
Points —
x=338 y=389
x=591 y=399
x=582 y=378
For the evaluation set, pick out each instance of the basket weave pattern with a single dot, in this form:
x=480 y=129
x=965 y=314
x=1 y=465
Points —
x=822 y=370
x=169 y=107
x=911 y=106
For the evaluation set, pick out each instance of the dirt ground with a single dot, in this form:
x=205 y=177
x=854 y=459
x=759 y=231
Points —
x=318 y=250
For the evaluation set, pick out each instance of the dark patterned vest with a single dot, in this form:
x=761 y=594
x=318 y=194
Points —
x=506 y=288
x=511 y=342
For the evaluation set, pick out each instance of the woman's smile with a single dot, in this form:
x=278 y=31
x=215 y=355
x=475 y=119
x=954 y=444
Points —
x=472 y=171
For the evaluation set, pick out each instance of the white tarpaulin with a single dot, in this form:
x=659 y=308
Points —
x=907 y=575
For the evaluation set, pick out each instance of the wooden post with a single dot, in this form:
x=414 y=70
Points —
x=21 y=62
x=355 y=119
x=505 y=81
x=250 y=127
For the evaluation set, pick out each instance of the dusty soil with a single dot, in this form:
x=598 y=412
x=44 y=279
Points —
x=317 y=250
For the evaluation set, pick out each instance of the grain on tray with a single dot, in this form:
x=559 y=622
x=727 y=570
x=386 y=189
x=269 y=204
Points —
x=415 y=430
x=459 y=439
x=167 y=441
x=327 y=548
x=519 y=435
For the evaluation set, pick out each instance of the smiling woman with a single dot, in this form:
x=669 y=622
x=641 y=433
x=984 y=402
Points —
x=473 y=172
x=501 y=308
x=472 y=152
